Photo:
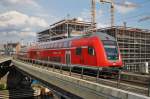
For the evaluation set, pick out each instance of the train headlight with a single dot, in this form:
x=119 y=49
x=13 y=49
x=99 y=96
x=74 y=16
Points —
x=114 y=63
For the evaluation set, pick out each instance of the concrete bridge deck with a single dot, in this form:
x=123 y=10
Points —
x=4 y=59
x=76 y=86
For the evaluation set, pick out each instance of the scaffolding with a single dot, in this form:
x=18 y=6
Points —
x=134 y=45
x=63 y=29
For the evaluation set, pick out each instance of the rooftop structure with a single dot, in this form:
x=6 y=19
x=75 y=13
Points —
x=63 y=29
x=12 y=48
x=134 y=45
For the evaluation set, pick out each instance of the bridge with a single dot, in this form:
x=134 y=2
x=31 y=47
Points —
x=68 y=86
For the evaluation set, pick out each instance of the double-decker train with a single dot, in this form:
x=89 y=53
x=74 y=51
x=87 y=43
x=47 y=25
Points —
x=97 y=50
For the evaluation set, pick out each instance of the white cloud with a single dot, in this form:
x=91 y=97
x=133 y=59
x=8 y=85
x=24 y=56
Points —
x=123 y=8
x=104 y=0
x=86 y=15
x=26 y=29
x=20 y=2
x=127 y=7
x=12 y=18
x=80 y=19
x=22 y=34
x=19 y=20
x=99 y=12
x=37 y=21
x=14 y=23
x=101 y=25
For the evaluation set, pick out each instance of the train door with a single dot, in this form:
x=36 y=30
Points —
x=81 y=53
x=84 y=58
x=79 y=58
x=68 y=57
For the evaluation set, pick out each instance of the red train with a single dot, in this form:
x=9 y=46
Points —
x=98 y=49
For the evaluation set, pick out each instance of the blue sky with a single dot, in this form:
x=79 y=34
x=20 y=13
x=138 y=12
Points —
x=21 y=19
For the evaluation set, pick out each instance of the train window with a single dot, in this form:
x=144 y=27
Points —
x=91 y=51
x=109 y=42
x=65 y=44
x=51 y=45
x=47 y=46
x=44 y=46
x=54 y=45
x=60 y=44
x=78 y=51
x=57 y=45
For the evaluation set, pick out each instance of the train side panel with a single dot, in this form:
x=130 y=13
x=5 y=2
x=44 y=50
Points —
x=80 y=53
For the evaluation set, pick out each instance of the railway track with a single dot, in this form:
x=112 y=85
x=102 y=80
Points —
x=129 y=85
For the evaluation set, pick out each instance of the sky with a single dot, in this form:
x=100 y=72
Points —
x=20 y=20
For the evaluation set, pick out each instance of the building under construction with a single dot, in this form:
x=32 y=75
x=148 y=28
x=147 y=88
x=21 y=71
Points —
x=134 y=45
x=63 y=29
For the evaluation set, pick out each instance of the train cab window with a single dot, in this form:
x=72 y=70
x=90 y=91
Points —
x=78 y=51
x=91 y=51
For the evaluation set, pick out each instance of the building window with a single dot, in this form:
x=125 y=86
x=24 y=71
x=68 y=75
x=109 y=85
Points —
x=91 y=51
x=78 y=51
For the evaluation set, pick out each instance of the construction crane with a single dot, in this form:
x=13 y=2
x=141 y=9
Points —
x=93 y=13
x=111 y=2
x=112 y=11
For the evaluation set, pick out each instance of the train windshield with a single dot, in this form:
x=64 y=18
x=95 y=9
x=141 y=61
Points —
x=111 y=49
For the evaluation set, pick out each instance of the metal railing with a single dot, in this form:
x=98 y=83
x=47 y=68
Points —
x=59 y=66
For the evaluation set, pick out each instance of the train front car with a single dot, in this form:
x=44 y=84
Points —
x=108 y=54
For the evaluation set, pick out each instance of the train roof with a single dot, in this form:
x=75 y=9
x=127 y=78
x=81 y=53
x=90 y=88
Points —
x=104 y=36
x=101 y=35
